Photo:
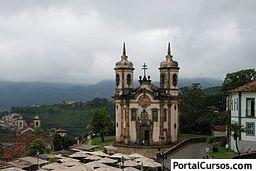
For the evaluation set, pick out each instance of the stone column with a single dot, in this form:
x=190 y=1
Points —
x=127 y=124
x=169 y=131
x=161 y=123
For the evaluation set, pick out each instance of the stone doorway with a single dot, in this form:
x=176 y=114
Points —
x=144 y=135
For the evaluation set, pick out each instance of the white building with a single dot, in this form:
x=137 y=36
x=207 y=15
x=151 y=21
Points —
x=241 y=103
x=147 y=114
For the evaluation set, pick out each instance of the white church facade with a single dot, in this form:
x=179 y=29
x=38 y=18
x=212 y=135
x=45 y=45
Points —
x=147 y=114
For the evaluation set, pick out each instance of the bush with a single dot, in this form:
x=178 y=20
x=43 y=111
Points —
x=215 y=149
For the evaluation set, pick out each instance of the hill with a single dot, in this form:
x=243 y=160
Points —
x=30 y=93
x=73 y=118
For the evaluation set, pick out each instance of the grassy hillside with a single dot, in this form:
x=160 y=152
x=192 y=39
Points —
x=74 y=119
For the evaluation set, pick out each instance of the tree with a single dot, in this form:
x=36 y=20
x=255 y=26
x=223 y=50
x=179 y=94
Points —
x=57 y=142
x=68 y=141
x=37 y=146
x=200 y=112
x=60 y=143
x=236 y=129
x=239 y=78
x=101 y=122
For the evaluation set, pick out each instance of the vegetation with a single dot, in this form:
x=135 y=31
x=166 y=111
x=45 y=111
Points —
x=101 y=122
x=222 y=153
x=60 y=143
x=72 y=118
x=108 y=141
x=239 y=78
x=236 y=129
x=201 y=111
x=37 y=146
x=4 y=133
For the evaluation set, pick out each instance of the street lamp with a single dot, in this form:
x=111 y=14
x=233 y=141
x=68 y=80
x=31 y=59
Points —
x=37 y=159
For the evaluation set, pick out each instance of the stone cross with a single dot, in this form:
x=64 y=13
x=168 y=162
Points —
x=144 y=68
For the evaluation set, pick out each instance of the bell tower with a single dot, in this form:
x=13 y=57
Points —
x=169 y=71
x=124 y=74
x=124 y=84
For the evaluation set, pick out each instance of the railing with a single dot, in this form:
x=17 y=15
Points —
x=183 y=143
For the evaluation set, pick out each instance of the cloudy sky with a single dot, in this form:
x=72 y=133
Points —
x=79 y=41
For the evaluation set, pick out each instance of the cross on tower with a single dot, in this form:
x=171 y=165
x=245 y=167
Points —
x=144 y=68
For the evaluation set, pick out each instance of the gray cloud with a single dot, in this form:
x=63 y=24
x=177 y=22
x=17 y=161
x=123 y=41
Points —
x=79 y=41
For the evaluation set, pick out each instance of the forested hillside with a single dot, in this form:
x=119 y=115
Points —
x=29 y=93
x=70 y=117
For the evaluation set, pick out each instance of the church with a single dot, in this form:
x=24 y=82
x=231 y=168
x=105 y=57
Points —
x=146 y=114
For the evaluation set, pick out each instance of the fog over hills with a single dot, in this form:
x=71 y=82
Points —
x=31 y=93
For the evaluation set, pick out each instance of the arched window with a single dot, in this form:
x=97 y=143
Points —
x=133 y=114
x=162 y=80
x=155 y=115
x=117 y=79
x=174 y=79
x=129 y=79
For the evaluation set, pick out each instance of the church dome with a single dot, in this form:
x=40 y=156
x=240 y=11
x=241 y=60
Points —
x=36 y=117
x=169 y=62
x=20 y=117
x=124 y=63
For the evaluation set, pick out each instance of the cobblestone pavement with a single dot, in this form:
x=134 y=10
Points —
x=191 y=151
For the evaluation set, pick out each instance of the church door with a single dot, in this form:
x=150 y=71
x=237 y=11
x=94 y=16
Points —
x=144 y=130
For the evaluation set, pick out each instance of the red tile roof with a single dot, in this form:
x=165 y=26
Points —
x=14 y=152
x=28 y=137
x=246 y=87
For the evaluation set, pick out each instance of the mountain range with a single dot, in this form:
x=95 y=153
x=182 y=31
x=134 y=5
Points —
x=31 y=93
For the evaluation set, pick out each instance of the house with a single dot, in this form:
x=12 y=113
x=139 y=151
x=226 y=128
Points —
x=241 y=104
x=61 y=132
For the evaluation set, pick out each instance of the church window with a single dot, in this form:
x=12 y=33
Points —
x=165 y=114
x=133 y=114
x=129 y=79
x=117 y=79
x=175 y=126
x=175 y=107
x=174 y=79
x=155 y=115
x=36 y=123
x=117 y=124
x=162 y=80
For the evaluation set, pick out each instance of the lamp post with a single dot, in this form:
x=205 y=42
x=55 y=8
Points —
x=122 y=162
x=162 y=152
x=37 y=159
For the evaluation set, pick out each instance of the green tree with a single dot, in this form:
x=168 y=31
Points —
x=57 y=142
x=101 y=122
x=200 y=112
x=37 y=146
x=68 y=141
x=236 y=129
x=238 y=78
x=60 y=143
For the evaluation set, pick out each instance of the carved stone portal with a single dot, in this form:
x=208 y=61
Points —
x=144 y=129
